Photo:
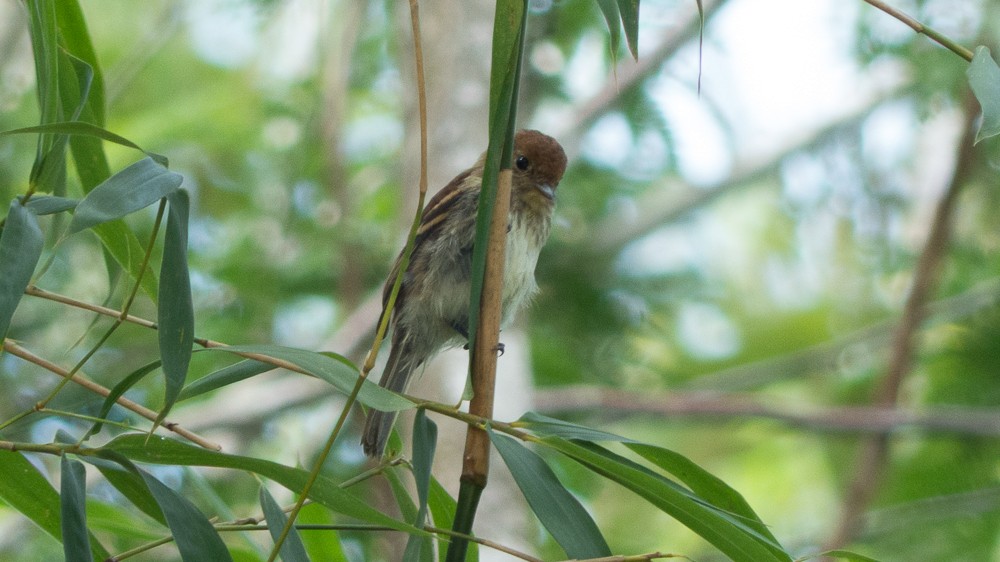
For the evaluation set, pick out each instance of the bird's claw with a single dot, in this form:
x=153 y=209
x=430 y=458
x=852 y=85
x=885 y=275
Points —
x=500 y=348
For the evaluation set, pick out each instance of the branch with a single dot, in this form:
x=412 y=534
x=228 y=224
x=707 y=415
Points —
x=92 y=386
x=874 y=453
x=922 y=29
x=880 y=420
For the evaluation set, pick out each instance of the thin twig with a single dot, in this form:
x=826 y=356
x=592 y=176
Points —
x=78 y=378
x=922 y=29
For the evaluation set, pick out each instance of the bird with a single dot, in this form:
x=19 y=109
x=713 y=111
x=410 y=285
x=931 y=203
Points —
x=431 y=311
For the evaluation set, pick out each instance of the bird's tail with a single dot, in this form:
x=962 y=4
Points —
x=402 y=362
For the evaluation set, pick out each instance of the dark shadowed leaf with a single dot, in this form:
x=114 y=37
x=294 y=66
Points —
x=130 y=484
x=630 y=20
x=175 y=313
x=119 y=389
x=557 y=509
x=20 y=248
x=136 y=187
x=611 y=14
x=73 y=503
x=292 y=550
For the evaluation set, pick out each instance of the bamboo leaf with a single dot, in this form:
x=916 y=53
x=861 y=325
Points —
x=984 y=79
x=424 y=443
x=175 y=313
x=332 y=368
x=544 y=425
x=73 y=504
x=557 y=509
x=709 y=523
x=161 y=450
x=136 y=187
x=20 y=248
x=225 y=376
x=630 y=21
x=292 y=550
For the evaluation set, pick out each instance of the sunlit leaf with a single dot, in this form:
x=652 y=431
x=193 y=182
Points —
x=73 y=502
x=984 y=79
x=20 y=248
x=557 y=509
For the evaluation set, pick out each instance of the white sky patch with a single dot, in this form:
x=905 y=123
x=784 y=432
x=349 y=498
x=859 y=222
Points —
x=706 y=332
x=223 y=33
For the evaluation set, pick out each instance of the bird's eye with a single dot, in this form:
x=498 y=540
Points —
x=521 y=162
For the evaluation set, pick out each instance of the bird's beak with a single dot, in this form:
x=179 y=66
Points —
x=548 y=191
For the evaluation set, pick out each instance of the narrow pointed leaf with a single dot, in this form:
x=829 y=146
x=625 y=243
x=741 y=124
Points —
x=292 y=550
x=545 y=425
x=130 y=485
x=126 y=249
x=175 y=313
x=424 y=443
x=225 y=376
x=20 y=248
x=712 y=526
x=984 y=79
x=196 y=539
x=136 y=187
x=442 y=507
x=24 y=489
x=73 y=502
x=630 y=21
x=332 y=368
x=84 y=129
x=612 y=15
x=50 y=204
x=117 y=391
x=557 y=509
x=161 y=450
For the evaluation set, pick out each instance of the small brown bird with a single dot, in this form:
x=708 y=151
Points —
x=432 y=308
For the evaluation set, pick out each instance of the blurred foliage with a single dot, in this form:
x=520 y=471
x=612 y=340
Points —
x=778 y=276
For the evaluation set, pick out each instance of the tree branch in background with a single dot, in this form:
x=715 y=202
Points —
x=720 y=406
x=874 y=452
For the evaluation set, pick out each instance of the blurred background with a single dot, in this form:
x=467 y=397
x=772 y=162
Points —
x=734 y=271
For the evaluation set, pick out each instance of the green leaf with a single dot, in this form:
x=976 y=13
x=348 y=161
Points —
x=613 y=16
x=731 y=540
x=841 y=554
x=76 y=40
x=126 y=249
x=984 y=79
x=332 y=368
x=225 y=376
x=424 y=443
x=292 y=550
x=708 y=488
x=630 y=20
x=44 y=46
x=175 y=313
x=50 y=204
x=544 y=425
x=161 y=450
x=20 y=248
x=136 y=187
x=130 y=485
x=557 y=509
x=84 y=129
x=25 y=489
x=119 y=389
x=196 y=538
x=73 y=502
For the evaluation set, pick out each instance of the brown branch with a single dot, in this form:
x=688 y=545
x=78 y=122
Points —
x=874 y=452
x=714 y=405
x=92 y=386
